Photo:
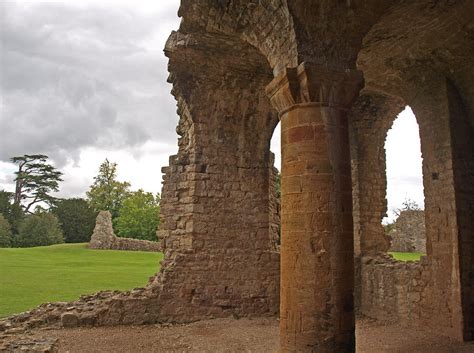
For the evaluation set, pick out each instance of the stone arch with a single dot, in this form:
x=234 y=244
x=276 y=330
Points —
x=266 y=25
x=434 y=86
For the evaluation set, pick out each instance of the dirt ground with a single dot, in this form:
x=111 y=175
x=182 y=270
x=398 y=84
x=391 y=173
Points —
x=244 y=335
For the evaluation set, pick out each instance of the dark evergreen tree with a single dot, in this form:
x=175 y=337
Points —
x=77 y=219
x=12 y=212
x=5 y=233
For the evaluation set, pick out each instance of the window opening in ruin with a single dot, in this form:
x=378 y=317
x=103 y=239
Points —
x=405 y=221
x=275 y=147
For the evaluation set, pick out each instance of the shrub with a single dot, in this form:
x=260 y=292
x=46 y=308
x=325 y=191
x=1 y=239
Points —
x=38 y=230
x=5 y=233
x=77 y=219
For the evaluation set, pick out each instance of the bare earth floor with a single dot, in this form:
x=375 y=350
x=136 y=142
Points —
x=244 y=335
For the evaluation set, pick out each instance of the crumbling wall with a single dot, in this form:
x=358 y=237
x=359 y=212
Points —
x=104 y=237
x=370 y=118
x=425 y=80
x=408 y=232
x=218 y=229
x=274 y=204
x=393 y=289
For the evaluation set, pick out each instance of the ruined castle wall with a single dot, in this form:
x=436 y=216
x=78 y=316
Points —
x=392 y=289
x=218 y=229
x=408 y=232
x=441 y=301
x=387 y=288
x=370 y=118
x=424 y=82
x=462 y=136
x=104 y=238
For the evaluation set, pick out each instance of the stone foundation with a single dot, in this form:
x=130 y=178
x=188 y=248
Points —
x=12 y=343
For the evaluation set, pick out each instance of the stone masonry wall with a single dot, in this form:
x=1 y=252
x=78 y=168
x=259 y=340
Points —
x=371 y=117
x=392 y=289
x=462 y=135
x=385 y=289
x=435 y=79
x=104 y=237
x=408 y=232
x=218 y=229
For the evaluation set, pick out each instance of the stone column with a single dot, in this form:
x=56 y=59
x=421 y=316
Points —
x=317 y=249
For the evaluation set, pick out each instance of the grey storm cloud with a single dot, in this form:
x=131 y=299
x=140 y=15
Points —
x=76 y=77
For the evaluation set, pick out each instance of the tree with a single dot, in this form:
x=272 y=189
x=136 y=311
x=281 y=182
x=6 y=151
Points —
x=5 y=202
x=407 y=205
x=12 y=212
x=410 y=205
x=35 y=180
x=139 y=216
x=39 y=229
x=106 y=193
x=5 y=232
x=77 y=219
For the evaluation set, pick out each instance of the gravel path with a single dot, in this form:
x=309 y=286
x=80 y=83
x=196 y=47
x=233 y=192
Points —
x=244 y=335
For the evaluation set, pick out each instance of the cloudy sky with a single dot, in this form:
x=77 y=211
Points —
x=85 y=80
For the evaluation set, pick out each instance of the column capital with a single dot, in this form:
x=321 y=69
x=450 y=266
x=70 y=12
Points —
x=314 y=84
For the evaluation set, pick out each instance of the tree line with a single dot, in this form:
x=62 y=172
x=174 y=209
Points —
x=33 y=216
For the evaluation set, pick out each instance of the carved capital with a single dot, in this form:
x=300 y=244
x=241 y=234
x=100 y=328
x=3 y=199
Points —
x=314 y=84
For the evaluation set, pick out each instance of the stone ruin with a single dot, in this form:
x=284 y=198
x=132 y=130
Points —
x=104 y=237
x=408 y=232
x=336 y=74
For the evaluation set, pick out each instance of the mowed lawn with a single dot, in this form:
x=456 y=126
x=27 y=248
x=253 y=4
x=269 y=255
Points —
x=31 y=276
x=407 y=256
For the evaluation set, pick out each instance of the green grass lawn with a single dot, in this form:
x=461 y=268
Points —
x=31 y=276
x=407 y=256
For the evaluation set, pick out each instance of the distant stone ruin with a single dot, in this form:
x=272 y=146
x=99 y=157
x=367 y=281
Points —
x=104 y=237
x=408 y=233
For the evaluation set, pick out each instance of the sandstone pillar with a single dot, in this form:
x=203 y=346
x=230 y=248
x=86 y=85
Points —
x=317 y=280
x=317 y=255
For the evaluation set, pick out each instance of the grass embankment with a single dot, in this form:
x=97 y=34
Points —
x=31 y=276
x=407 y=256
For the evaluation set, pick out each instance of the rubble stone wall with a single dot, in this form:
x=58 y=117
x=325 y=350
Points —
x=104 y=237
x=393 y=290
x=218 y=231
x=462 y=135
x=408 y=232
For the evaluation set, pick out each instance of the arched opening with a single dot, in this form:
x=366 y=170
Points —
x=275 y=146
x=275 y=189
x=405 y=220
